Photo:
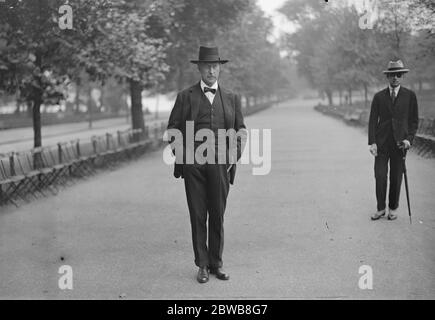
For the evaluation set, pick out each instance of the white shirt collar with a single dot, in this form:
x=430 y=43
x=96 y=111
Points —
x=396 y=89
x=214 y=86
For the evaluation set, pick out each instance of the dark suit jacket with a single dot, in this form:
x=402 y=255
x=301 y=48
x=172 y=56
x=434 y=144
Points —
x=186 y=108
x=400 y=119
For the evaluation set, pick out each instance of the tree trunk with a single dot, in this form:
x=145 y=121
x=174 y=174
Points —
x=29 y=108
x=36 y=97
x=101 y=99
x=18 y=102
x=366 y=98
x=329 y=95
x=90 y=106
x=340 y=97
x=77 y=98
x=37 y=139
x=157 y=106
x=17 y=107
x=36 y=114
x=136 y=105
x=350 y=96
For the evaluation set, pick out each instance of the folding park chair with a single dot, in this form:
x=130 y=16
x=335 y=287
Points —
x=159 y=129
x=426 y=136
x=135 y=136
x=432 y=128
x=103 y=152
x=83 y=164
x=146 y=142
x=122 y=151
x=27 y=161
x=111 y=150
x=140 y=140
x=72 y=165
x=18 y=187
x=59 y=169
x=7 y=186
x=128 y=149
x=116 y=146
x=48 y=174
x=19 y=170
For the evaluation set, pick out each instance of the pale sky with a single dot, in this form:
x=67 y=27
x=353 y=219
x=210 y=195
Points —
x=281 y=23
x=271 y=7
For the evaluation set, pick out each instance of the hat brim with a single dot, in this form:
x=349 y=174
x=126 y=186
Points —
x=396 y=71
x=209 y=61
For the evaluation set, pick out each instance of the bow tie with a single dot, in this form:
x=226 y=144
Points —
x=207 y=89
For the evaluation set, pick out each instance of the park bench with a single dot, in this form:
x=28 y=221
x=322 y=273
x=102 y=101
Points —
x=10 y=184
x=99 y=149
x=31 y=165
x=138 y=141
x=53 y=158
x=80 y=156
x=425 y=138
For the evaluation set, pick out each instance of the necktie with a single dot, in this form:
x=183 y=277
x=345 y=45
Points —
x=207 y=89
x=393 y=95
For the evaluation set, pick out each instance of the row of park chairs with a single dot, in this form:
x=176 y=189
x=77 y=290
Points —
x=42 y=171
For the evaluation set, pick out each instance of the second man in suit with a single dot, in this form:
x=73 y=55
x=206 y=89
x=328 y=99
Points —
x=393 y=124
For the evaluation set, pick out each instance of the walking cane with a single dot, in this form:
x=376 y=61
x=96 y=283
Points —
x=406 y=181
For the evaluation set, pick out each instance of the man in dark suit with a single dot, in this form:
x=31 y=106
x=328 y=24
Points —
x=211 y=107
x=393 y=124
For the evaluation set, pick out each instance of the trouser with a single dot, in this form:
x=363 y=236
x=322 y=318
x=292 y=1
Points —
x=207 y=187
x=393 y=155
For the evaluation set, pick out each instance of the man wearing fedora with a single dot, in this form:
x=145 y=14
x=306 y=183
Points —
x=211 y=107
x=393 y=124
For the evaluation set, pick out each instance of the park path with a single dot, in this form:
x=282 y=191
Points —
x=300 y=232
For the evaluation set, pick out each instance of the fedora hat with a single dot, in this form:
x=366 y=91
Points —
x=207 y=54
x=396 y=67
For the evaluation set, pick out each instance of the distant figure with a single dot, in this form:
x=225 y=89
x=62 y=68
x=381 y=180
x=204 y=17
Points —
x=211 y=107
x=393 y=124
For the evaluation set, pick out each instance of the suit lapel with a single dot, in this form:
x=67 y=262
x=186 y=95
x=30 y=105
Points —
x=399 y=95
x=228 y=108
x=195 y=98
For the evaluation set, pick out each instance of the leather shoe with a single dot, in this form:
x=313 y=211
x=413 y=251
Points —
x=392 y=215
x=220 y=273
x=202 y=276
x=378 y=214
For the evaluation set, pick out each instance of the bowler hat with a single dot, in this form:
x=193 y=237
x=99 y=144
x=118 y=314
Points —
x=207 y=54
x=396 y=67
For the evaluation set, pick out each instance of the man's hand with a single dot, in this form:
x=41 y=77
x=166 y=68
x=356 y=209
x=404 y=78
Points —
x=406 y=144
x=374 y=149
